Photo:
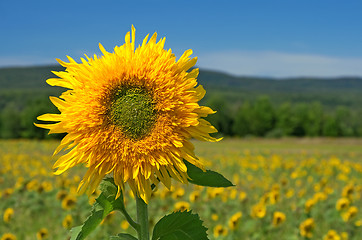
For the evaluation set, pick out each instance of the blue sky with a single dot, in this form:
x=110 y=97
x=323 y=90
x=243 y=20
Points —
x=261 y=38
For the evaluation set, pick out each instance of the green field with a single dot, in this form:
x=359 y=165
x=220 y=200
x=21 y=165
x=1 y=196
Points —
x=300 y=178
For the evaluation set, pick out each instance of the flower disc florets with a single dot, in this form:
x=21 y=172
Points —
x=130 y=113
x=133 y=110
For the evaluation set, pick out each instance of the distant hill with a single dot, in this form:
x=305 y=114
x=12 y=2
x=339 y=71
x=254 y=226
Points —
x=29 y=82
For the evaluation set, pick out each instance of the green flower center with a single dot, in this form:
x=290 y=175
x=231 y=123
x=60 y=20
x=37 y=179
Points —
x=133 y=110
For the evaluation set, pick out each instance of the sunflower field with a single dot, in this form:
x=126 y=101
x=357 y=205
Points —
x=284 y=189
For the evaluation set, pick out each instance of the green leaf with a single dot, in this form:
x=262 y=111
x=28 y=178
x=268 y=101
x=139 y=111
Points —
x=74 y=232
x=104 y=205
x=90 y=224
x=108 y=187
x=180 y=226
x=208 y=178
x=123 y=236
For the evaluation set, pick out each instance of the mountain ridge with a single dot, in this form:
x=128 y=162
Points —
x=36 y=76
x=232 y=89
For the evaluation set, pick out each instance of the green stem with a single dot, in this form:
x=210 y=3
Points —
x=142 y=219
x=130 y=220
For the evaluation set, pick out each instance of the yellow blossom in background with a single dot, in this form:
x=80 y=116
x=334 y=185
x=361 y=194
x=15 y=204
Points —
x=319 y=196
x=46 y=186
x=67 y=222
x=69 y=202
x=8 y=214
x=165 y=193
x=124 y=225
x=62 y=194
x=309 y=204
x=233 y=193
x=332 y=235
x=32 y=185
x=194 y=196
x=220 y=230
x=342 y=204
x=42 y=234
x=351 y=213
x=242 y=196
x=290 y=193
x=19 y=182
x=214 y=192
x=348 y=191
x=278 y=218
x=306 y=228
x=214 y=217
x=258 y=211
x=344 y=236
x=328 y=190
x=358 y=223
x=8 y=236
x=178 y=193
x=273 y=196
x=182 y=206
x=130 y=113
x=235 y=220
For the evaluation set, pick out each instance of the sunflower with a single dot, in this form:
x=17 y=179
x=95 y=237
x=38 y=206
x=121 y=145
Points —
x=278 y=218
x=182 y=206
x=69 y=202
x=67 y=222
x=342 y=204
x=42 y=234
x=351 y=213
x=8 y=215
x=194 y=196
x=235 y=220
x=8 y=236
x=306 y=228
x=309 y=204
x=220 y=230
x=130 y=113
x=331 y=235
x=258 y=210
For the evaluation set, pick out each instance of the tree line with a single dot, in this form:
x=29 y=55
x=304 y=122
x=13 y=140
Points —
x=261 y=118
x=251 y=118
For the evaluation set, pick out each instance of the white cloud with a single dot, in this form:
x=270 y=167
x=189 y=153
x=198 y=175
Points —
x=278 y=64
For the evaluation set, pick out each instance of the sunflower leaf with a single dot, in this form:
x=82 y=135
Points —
x=208 y=178
x=123 y=236
x=180 y=226
x=104 y=205
x=75 y=231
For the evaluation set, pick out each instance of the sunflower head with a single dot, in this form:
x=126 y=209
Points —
x=42 y=234
x=306 y=228
x=8 y=215
x=67 y=222
x=235 y=220
x=8 y=236
x=130 y=113
x=278 y=218
x=220 y=230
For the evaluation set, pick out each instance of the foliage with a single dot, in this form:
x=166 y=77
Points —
x=206 y=178
x=180 y=226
